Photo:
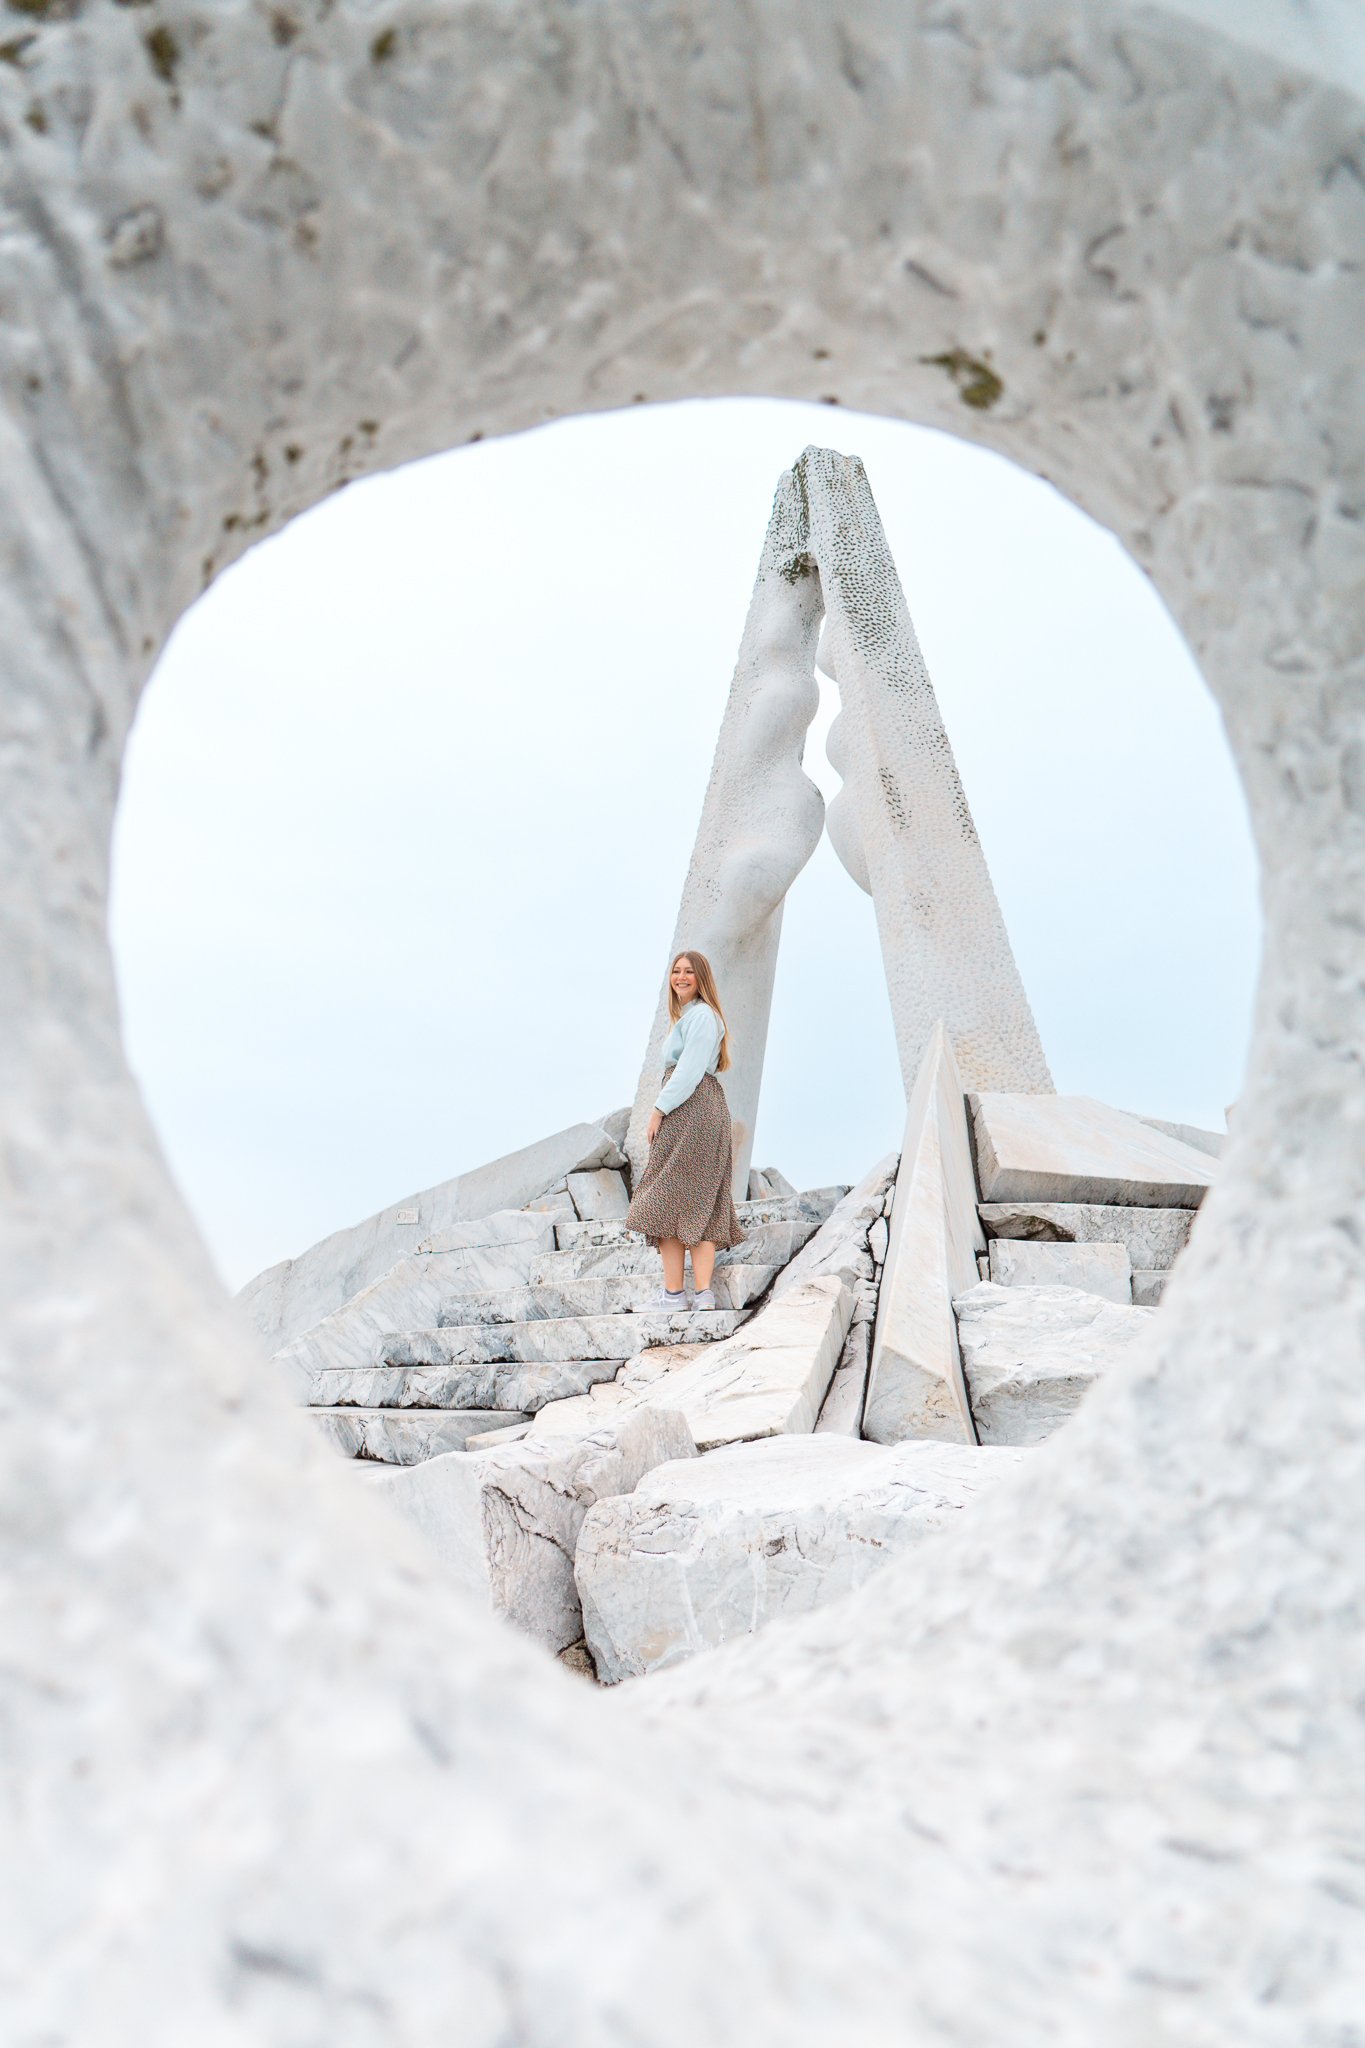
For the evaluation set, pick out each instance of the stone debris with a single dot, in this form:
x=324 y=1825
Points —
x=1148 y=1286
x=1030 y=1354
x=716 y=1547
x=1103 y=1269
x=1069 y=1148
x=505 y=1521
x=507 y=1356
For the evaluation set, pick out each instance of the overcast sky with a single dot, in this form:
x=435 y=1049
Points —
x=411 y=796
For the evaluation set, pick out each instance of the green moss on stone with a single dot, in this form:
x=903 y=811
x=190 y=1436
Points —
x=977 y=383
x=164 y=51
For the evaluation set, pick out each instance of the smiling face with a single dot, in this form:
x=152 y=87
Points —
x=682 y=980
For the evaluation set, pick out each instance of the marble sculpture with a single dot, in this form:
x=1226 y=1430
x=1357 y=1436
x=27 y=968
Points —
x=267 y=1779
x=901 y=824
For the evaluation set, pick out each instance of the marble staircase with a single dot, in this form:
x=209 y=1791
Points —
x=460 y=1338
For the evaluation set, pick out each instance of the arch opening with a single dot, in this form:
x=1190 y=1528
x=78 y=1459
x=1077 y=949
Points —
x=389 y=796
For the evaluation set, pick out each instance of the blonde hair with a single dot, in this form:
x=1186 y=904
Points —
x=706 y=993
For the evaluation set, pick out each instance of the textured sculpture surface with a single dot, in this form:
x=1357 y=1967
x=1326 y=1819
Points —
x=910 y=840
x=1101 y=1784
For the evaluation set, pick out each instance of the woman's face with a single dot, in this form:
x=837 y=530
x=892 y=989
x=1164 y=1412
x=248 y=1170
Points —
x=684 y=980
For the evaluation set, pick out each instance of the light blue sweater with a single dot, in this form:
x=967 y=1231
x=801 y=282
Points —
x=692 y=1051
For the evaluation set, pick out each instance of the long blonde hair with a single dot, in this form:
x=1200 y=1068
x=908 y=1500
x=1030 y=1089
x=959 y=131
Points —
x=706 y=993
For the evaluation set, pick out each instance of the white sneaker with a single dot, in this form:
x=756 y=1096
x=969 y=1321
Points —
x=704 y=1298
x=667 y=1300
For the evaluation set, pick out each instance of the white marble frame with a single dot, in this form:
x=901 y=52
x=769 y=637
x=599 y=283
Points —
x=272 y=1781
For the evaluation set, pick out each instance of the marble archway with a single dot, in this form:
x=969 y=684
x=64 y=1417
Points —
x=275 y=1783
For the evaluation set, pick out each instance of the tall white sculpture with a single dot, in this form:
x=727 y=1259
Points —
x=901 y=824
x=760 y=822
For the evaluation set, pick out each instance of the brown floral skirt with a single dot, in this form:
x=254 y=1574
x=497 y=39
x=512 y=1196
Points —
x=684 y=1191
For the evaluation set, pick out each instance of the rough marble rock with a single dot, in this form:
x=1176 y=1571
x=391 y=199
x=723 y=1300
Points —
x=599 y=1196
x=1031 y=1354
x=596 y=1295
x=757 y=1186
x=1152 y=1237
x=878 y=1238
x=1149 y=1285
x=291 y=1297
x=718 y=1546
x=1070 y=1148
x=841 y=1411
x=777 y=1183
x=403 y=1436
x=505 y=1520
x=839 y=1246
x=1103 y=1269
x=915 y=1387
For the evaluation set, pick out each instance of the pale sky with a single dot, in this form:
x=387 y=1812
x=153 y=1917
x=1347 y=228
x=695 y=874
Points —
x=411 y=795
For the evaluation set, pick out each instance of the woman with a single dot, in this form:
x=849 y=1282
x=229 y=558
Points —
x=683 y=1202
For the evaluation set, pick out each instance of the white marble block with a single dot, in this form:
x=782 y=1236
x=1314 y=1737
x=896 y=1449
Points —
x=915 y=1388
x=1069 y=1148
x=1030 y=1354
x=771 y=1378
x=1103 y=1269
x=841 y=1412
x=599 y=1196
x=406 y=1436
x=840 y=1245
x=716 y=1547
x=1152 y=1237
x=505 y=1520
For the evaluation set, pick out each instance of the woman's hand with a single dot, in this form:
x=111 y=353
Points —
x=655 y=1125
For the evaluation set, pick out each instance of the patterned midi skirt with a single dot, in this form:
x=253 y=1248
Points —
x=684 y=1191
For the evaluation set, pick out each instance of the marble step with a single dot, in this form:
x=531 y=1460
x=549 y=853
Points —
x=509 y=1386
x=487 y=1268
x=773 y=1244
x=553 y=1338
x=406 y=1436
x=810 y=1209
x=625 y=1295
